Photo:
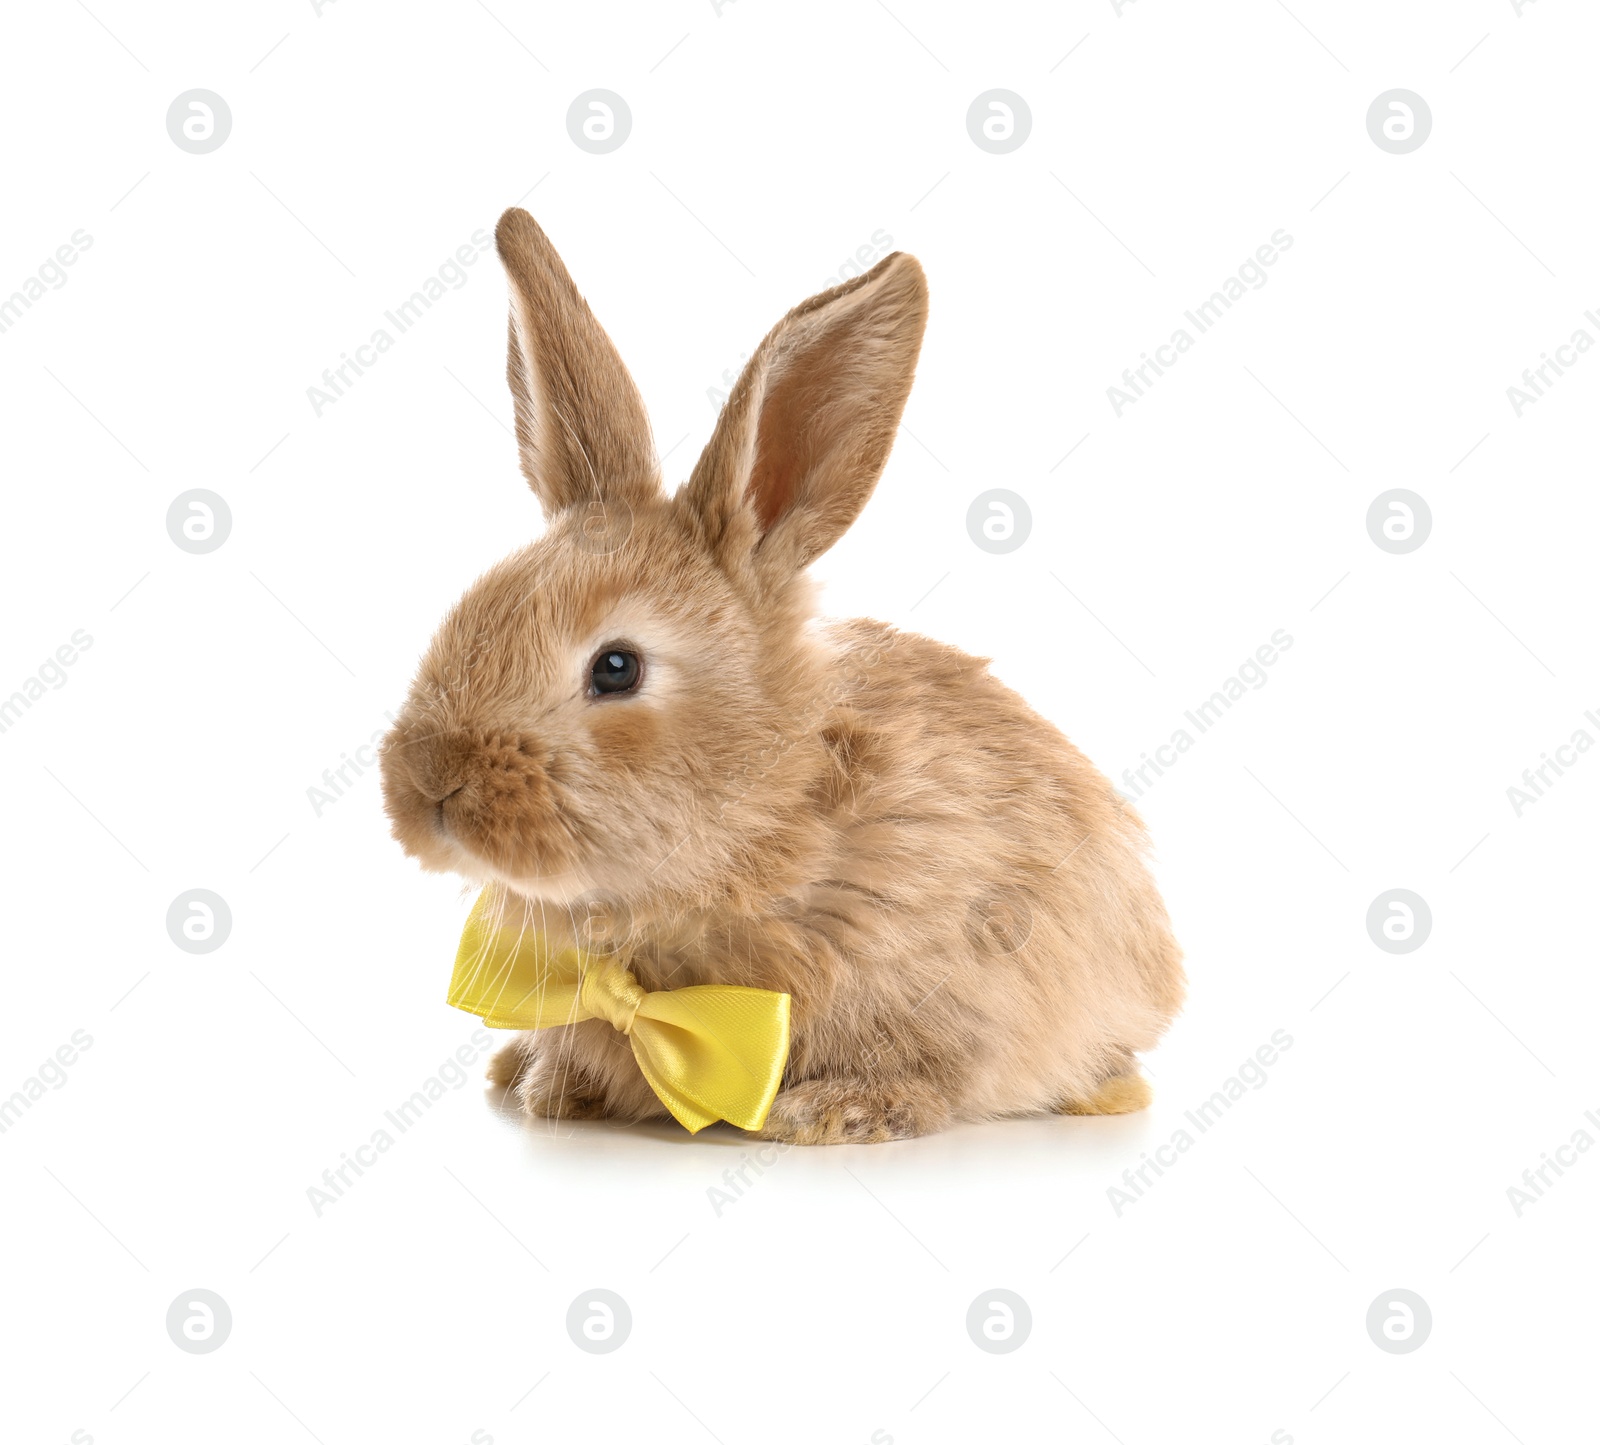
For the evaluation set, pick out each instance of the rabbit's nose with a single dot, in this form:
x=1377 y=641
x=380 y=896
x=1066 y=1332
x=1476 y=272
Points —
x=441 y=764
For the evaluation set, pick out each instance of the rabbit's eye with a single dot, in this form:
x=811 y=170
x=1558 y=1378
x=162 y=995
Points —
x=614 y=669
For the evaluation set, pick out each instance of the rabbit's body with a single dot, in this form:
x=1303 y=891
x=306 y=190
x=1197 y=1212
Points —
x=956 y=928
x=864 y=819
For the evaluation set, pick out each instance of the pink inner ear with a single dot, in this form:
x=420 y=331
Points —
x=785 y=445
x=770 y=492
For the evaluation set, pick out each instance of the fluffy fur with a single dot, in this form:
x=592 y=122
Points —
x=859 y=817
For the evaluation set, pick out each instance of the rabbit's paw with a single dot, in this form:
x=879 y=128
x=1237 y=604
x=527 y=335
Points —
x=508 y=1066
x=550 y=1090
x=849 y=1111
x=1120 y=1094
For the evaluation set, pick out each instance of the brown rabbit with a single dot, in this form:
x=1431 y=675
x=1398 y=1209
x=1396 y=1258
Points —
x=638 y=730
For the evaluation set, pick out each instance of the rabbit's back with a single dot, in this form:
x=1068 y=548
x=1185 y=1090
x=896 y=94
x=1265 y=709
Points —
x=986 y=878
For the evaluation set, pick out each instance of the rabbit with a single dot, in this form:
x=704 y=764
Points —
x=636 y=730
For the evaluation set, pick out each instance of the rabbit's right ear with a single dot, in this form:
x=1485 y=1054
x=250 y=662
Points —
x=808 y=426
x=582 y=432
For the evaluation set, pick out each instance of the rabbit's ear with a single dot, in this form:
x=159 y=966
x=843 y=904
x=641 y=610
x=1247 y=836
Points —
x=582 y=432
x=808 y=426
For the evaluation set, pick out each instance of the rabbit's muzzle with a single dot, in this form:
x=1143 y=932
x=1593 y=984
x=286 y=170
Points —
x=487 y=792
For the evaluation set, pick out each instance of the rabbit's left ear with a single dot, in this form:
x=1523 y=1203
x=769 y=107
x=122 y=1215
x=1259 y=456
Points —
x=808 y=426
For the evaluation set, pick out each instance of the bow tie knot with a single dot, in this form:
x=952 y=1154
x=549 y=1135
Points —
x=712 y=1051
x=610 y=992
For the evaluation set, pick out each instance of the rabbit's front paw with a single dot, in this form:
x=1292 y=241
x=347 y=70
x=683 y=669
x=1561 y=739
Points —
x=849 y=1111
x=507 y=1066
x=560 y=1091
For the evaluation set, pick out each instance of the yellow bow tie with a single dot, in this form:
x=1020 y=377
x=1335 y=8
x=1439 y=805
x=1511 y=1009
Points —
x=713 y=1051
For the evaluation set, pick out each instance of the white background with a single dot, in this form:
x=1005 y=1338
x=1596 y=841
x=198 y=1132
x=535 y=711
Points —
x=768 y=144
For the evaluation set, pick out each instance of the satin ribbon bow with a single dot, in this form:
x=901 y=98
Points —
x=712 y=1051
